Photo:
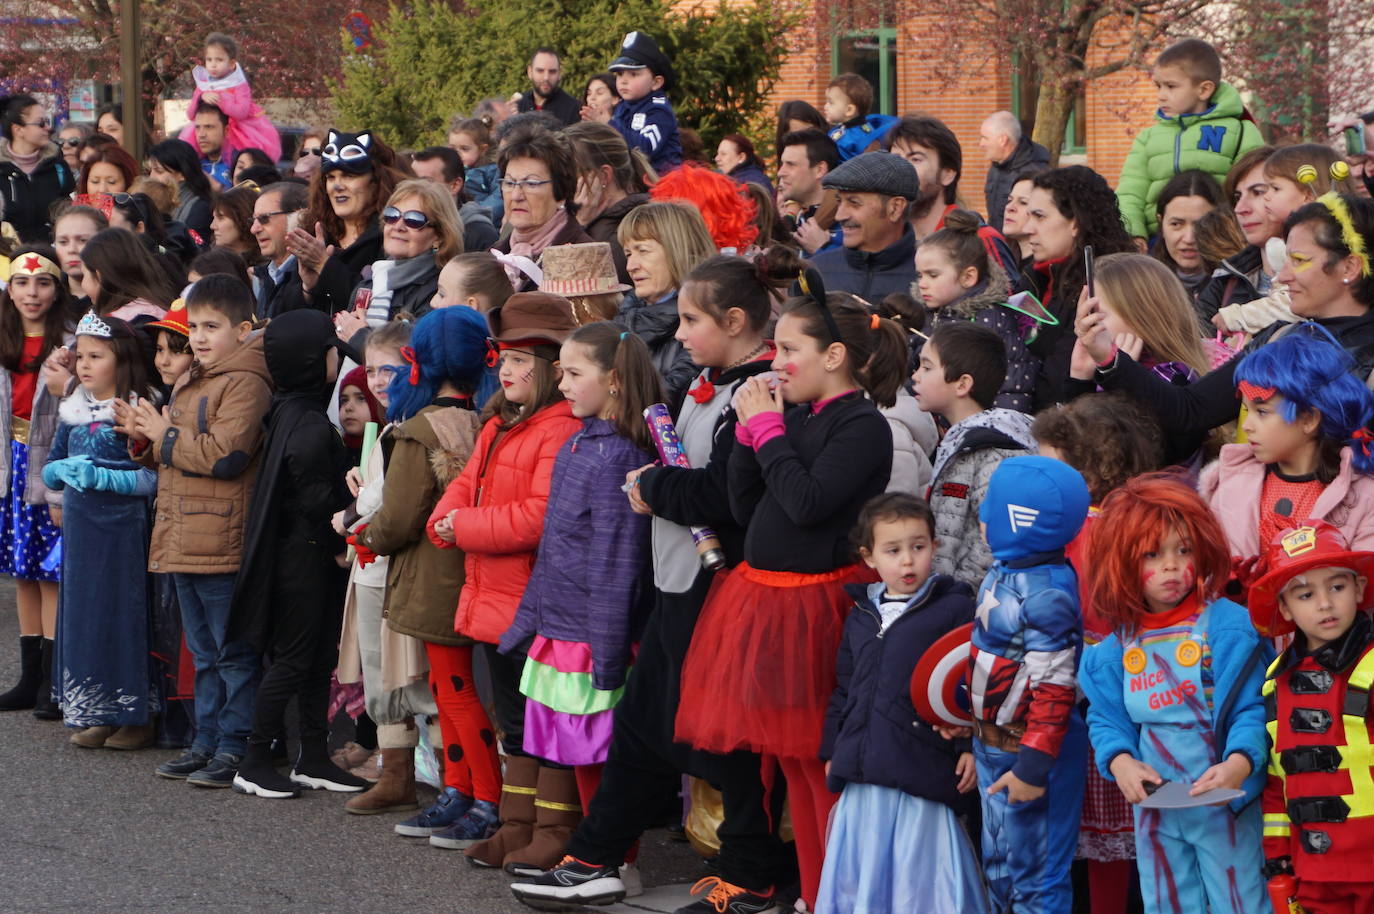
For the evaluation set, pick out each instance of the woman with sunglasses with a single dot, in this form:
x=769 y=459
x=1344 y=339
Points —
x=69 y=140
x=33 y=173
x=421 y=232
x=538 y=181
x=340 y=232
x=109 y=170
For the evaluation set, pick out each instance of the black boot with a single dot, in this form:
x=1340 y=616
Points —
x=25 y=694
x=44 y=707
x=315 y=770
x=257 y=776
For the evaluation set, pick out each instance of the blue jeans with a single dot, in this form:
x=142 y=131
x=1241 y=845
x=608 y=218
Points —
x=227 y=674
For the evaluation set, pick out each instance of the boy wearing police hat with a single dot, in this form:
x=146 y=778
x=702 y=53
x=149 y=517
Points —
x=643 y=76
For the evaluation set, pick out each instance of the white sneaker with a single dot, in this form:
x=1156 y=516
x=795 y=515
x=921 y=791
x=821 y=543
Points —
x=634 y=884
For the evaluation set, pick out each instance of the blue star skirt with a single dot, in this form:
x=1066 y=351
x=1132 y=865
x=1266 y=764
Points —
x=29 y=535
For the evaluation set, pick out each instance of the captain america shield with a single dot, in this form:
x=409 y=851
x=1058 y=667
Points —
x=936 y=680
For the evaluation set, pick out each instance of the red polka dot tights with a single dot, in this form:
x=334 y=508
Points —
x=469 y=749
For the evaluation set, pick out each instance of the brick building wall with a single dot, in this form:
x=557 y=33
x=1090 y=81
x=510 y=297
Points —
x=1117 y=107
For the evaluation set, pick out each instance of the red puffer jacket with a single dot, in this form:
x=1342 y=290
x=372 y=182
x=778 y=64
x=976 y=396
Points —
x=500 y=498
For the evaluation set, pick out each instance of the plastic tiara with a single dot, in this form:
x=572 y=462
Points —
x=92 y=325
x=1350 y=236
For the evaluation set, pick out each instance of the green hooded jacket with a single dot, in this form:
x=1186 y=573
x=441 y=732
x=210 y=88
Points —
x=1209 y=142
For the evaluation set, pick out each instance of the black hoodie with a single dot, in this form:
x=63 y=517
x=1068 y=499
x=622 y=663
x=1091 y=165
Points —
x=301 y=480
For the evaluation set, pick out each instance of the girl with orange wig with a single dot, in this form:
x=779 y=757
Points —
x=1174 y=696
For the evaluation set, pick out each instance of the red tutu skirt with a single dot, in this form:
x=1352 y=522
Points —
x=761 y=666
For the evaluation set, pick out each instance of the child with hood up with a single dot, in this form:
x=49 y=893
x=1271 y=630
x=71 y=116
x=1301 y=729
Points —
x=291 y=609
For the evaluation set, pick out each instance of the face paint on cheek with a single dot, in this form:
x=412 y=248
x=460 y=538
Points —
x=1189 y=577
x=1145 y=578
x=789 y=368
x=527 y=375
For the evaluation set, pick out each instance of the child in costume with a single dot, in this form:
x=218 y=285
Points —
x=289 y=592
x=1308 y=451
x=103 y=662
x=761 y=668
x=221 y=82
x=1031 y=744
x=494 y=512
x=1173 y=695
x=435 y=428
x=33 y=323
x=1202 y=125
x=644 y=117
x=895 y=841
x=848 y=101
x=1317 y=819
x=958 y=281
x=1109 y=438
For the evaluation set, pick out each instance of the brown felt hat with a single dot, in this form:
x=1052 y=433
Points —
x=532 y=316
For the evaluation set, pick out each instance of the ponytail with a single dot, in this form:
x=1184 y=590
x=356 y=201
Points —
x=724 y=282
x=638 y=385
x=960 y=240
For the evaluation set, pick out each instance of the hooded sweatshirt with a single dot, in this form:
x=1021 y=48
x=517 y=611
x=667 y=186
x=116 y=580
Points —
x=1027 y=632
x=300 y=482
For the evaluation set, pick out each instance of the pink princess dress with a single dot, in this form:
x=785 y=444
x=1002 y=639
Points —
x=248 y=127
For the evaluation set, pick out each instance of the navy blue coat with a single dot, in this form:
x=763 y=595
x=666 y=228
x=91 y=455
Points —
x=872 y=734
x=869 y=275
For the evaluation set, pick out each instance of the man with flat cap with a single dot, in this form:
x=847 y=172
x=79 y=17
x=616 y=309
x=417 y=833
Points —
x=643 y=77
x=879 y=252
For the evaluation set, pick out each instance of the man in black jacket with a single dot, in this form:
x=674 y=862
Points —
x=545 y=72
x=879 y=254
x=279 y=280
x=1010 y=151
x=33 y=173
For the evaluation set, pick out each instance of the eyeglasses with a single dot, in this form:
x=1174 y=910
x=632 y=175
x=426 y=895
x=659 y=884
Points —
x=264 y=218
x=70 y=142
x=41 y=122
x=527 y=185
x=413 y=218
x=310 y=151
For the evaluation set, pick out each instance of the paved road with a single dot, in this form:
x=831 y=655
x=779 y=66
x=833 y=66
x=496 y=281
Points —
x=96 y=831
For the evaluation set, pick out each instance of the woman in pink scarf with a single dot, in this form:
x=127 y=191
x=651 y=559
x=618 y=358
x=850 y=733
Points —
x=538 y=181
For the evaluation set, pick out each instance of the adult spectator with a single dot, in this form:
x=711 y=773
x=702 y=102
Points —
x=1010 y=152
x=878 y=257
x=1014 y=214
x=245 y=159
x=168 y=244
x=175 y=164
x=736 y=158
x=1070 y=208
x=805 y=157
x=538 y=181
x=308 y=155
x=612 y=179
x=110 y=170
x=795 y=115
x=215 y=155
x=1187 y=197
x=1333 y=300
x=92 y=144
x=340 y=233
x=934 y=151
x=110 y=122
x=545 y=72
x=278 y=279
x=600 y=98
x=1243 y=278
x=443 y=165
x=33 y=174
x=69 y=140
x=232 y=224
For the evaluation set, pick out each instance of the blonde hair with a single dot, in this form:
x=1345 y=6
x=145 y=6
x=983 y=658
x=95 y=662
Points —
x=1288 y=160
x=680 y=229
x=442 y=212
x=1156 y=306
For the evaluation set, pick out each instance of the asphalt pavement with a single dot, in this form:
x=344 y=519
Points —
x=96 y=830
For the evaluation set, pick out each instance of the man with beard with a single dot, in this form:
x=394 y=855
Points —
x=545 y=72
x=876 y=190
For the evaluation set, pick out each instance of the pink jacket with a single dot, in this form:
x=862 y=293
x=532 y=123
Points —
x=1232 y=484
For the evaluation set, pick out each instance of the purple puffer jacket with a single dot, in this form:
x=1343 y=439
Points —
x=593 y=554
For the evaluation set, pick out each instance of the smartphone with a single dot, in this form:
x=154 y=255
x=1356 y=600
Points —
x=1354 y=141
x=1088 y=270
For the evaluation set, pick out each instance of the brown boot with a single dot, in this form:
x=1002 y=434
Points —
x=517 y=814
x=557 y=810
x=91 y=737
x=129 y=738
x=394 y=791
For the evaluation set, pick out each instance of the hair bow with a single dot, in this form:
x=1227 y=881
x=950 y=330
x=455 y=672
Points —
x=408 y=353
x=1364 y=438
x=518 y=267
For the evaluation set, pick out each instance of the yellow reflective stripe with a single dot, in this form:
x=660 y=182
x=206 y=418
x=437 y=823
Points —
x=560 y=807
x=1277 y=825
x=523 y=791
x=1363 y=674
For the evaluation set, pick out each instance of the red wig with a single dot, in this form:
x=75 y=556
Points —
x=726 y=206
x=113 y=155
x=1134 y=520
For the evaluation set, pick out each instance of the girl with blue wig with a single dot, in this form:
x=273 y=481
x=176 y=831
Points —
x=430 y=403
x=1308 y=453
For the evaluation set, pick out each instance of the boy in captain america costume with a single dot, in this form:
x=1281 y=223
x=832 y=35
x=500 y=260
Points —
x=1031 y=742
x=643 y=77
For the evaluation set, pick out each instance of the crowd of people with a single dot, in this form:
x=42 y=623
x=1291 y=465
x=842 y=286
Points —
x=553 y=465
